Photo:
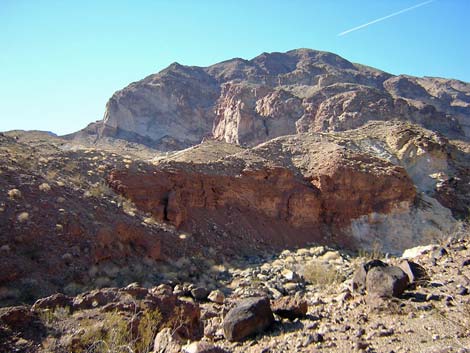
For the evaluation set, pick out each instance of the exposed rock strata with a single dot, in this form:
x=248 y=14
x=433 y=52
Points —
x=300 y=188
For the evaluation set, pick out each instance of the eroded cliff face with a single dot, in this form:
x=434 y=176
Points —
x=437 y=166
x=170 y=110
x=331 y=188
x=275 y=94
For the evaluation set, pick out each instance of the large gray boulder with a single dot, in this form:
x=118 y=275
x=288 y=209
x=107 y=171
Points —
x=360 y=275
x=386 y=282
x=249 y=317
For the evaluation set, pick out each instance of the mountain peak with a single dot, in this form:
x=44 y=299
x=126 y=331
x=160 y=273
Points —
x=239 y=100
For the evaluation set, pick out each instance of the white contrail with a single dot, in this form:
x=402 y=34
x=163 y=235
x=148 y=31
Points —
x=385 y=17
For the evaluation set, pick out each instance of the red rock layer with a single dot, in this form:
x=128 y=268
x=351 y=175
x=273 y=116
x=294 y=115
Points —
x=268 y=204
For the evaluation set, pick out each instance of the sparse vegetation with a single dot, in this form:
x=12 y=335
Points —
x=99 y=189
x=374 y=253
x=45 y=187
x=51 y=316
x=14 y=194
x=23 y=217
x=321 y=274
x=127 y=205
x=115 y=333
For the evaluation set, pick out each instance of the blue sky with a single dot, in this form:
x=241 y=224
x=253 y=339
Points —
x=61 y=60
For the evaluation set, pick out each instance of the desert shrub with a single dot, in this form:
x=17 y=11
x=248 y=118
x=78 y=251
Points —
x=29 y=290
x=374 y=253
x=78 y=180
x=321 y=274
x=98 y=190
x=70 y=166
x=45 y=187
x=127 y=205
x=51 y=175
x=14 y=194
x=147 y=330
x=51 y=316
x=115 y=334
x=22 y=217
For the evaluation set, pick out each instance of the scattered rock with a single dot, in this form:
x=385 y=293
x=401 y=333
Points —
x=167 y=341
x=290 y=307
x=55 y=300
x=202 y=347
x=290 y=275
x=17 y=316
x=199 y=293
x=418 y=251
x=416 y=273
x=250 y=316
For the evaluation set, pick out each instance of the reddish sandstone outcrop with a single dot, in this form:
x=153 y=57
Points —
x=288 y=191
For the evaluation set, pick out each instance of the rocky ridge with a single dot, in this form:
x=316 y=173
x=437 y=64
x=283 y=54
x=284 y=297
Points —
x=252 y=101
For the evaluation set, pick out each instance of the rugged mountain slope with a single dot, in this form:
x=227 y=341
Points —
x=62 y=229
x=251 y=101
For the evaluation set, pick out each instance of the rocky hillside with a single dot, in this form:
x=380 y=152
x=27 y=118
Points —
x=252 y=101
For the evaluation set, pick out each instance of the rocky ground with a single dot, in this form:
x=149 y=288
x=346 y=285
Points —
x=313 y=291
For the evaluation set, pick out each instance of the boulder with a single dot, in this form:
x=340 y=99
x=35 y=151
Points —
x=135 y=290
x=386 y=282
x=359 y=278
x=95 y=298
x=17 y=322
x=248 y=317
x=53 y=301
x=416 y=273
x=418 y=251
x=17 y=316
x=216 y=296
x=290 y=307
x=199 y=293
x=167 y=341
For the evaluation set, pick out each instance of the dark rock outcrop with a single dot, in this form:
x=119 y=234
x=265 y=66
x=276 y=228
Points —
x=416 y=273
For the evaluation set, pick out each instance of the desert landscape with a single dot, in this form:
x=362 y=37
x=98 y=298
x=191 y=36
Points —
x=294 y=202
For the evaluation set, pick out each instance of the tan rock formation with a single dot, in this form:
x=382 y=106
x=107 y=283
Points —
x=251 y=101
